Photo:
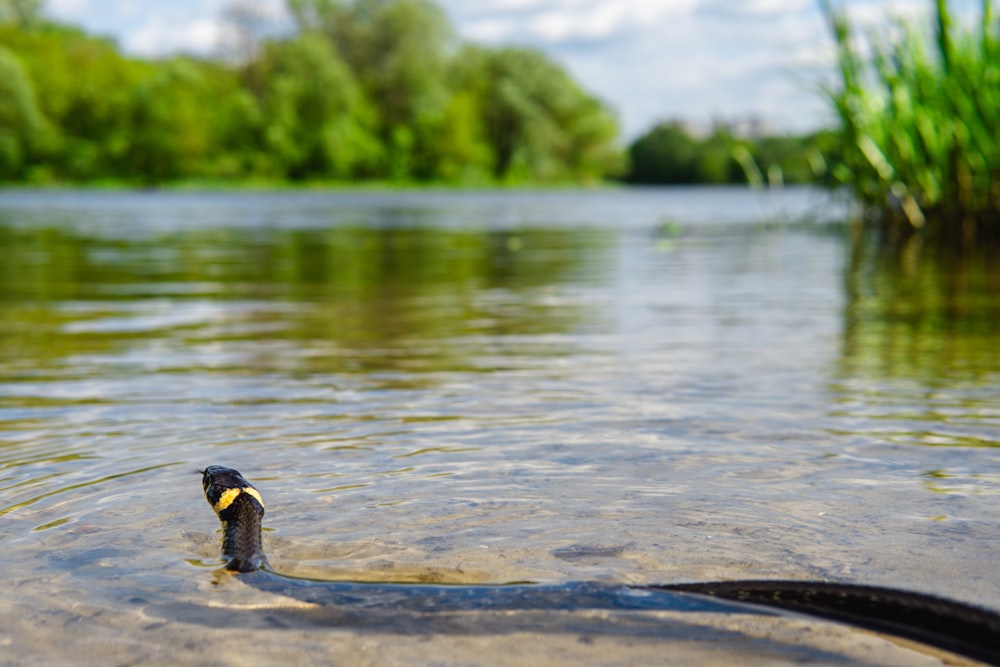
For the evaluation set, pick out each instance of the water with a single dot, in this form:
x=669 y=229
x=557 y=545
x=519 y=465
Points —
x=633 y=386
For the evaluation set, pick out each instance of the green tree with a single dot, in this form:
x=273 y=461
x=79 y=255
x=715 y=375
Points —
x=669 y=154
x=169 y=136
x=366 y=89
x=665 y=154
x=538 y=122
x=20 y=120
x=714 y=163
x=232 y=118
x=460 y=151
x=84 y=88
x=398 y=49
x=315 y=119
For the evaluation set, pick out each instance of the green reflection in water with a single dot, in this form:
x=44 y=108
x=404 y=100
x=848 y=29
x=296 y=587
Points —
x=376 y=292
x=923 y=313
x=920 y=341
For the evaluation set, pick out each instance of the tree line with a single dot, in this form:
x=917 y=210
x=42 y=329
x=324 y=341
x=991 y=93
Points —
x=671 y=153
x=359 y=90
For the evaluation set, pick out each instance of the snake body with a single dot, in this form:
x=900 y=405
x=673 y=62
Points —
x=954 y=626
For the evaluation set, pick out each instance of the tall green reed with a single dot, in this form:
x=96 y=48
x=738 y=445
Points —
x=920 y=122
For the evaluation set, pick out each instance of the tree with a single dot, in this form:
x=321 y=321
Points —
x=460 y=151
x=366 y=89
x=665 y=154
x=315 y=119
x=20 y=120
x=84 y=89
x=398 y=50
x=538 y=122
x=169 y=135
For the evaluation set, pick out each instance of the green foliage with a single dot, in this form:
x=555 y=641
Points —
x=367 y=89
x=168 y=140
x=920 y=123
x=665 y=154
x=669 y=154
x=20 y=120
x=538 y=123
x=314 y=120
x=398 y=51
x=85 y=90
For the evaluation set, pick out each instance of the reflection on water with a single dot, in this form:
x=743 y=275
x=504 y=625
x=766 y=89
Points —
x=634 y=386
x=363 y=289
x=919 y=362
x=924 y=313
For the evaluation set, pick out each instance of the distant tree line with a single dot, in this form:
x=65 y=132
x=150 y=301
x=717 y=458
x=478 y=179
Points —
x=360 y=90
x=670 y=153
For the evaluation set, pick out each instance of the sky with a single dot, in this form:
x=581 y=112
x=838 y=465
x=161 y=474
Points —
x=649 y=60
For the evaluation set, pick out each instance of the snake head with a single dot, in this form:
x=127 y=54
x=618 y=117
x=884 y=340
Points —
x=224 y=485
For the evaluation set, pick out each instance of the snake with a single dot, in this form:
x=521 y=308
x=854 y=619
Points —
x=958 y=627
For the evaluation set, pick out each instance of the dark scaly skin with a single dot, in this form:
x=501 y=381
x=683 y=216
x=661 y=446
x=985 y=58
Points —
x=241 y=517
x=242 y=547
x=953 y=626
x=960 y=628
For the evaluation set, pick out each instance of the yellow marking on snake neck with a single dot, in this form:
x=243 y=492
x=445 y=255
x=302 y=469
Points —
x=229 y=495
x=253 y=492
x=226 y=499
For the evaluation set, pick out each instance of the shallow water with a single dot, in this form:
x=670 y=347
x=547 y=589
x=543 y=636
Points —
x=635 y=386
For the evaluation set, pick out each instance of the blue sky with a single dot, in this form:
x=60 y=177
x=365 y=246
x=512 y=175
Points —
x=649 y=59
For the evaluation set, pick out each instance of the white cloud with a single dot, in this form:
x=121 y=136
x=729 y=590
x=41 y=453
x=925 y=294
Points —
x=151 y=29
x=67 y=7
x=160 y=36
x=558 y=21
x=594 y=23
x=655 y=59
x=755 y=8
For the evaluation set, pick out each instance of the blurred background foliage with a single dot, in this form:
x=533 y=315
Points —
x=673 y=153
x=361 y=90
x=356 y=90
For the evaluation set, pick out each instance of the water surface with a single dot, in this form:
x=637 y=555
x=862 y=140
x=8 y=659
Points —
x=637 y=386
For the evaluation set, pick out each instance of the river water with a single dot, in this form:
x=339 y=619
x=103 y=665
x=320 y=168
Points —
x=638 y=386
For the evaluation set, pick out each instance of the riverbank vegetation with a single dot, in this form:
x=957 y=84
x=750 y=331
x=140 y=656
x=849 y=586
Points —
x=920 y=123
x=360 y=91
x=671 y=153
x=382 y=91
x=368 y=90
